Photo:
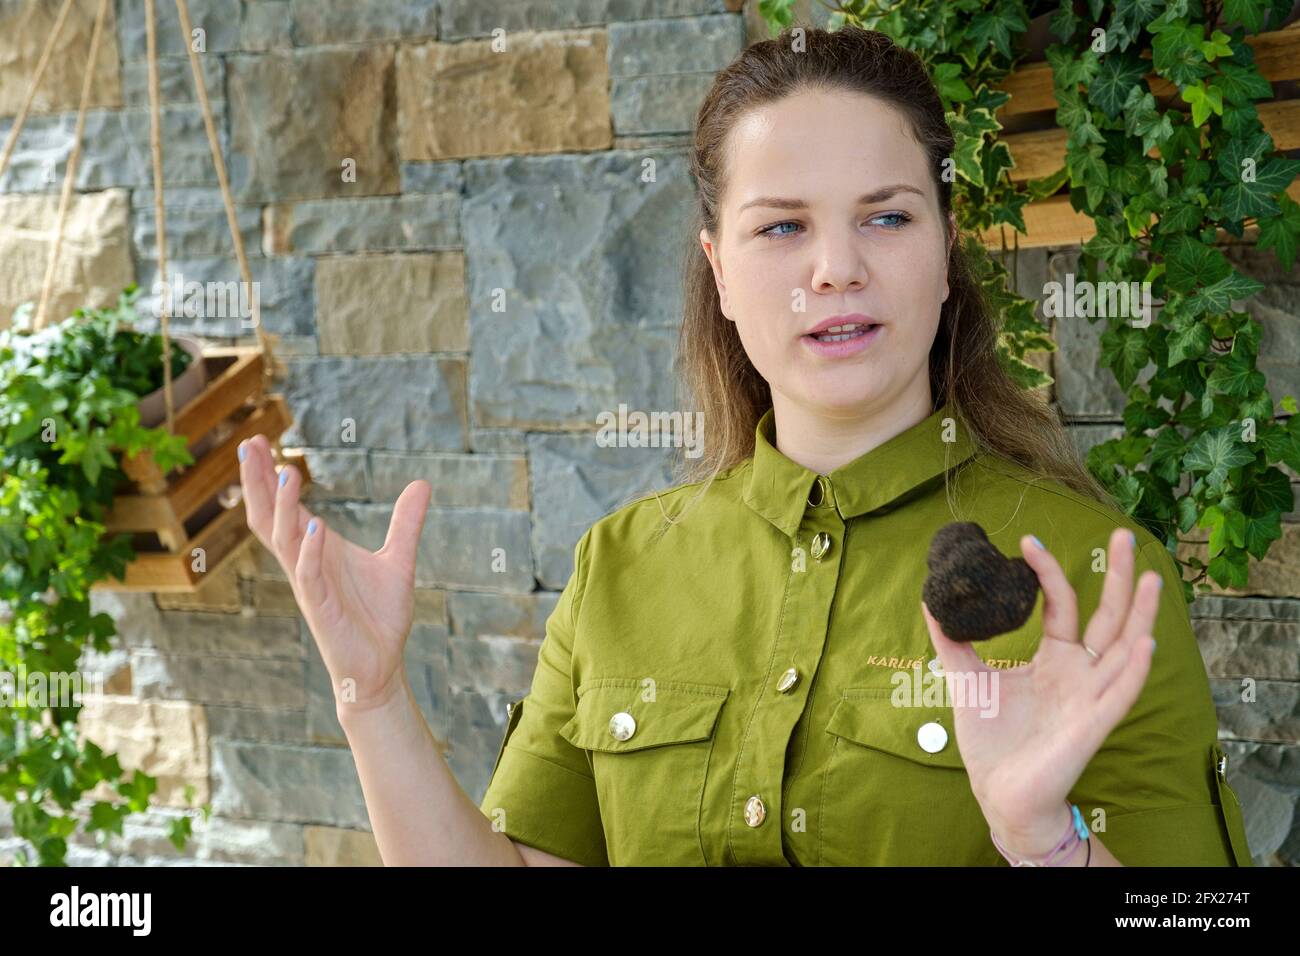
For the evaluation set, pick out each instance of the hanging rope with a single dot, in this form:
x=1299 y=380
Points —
x=182 y=9
x=71 y=173
x=41 y=64
x=160 y=220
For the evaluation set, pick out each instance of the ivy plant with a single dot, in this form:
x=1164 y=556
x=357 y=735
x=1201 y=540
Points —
x=1202 y=439
x=69 y=397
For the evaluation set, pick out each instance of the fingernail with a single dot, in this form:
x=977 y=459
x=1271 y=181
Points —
x=311 y=526
x=1132 y=540
x=241 y=451
x=1160 y=583
x=284 y=476
x=1038 y=543
x=1153 y=645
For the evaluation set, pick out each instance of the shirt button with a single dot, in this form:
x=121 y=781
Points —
x=821 y=545
x=932 y=737
x=754 y=811
x=788 y=680
x=817 y=494
x=622 y=726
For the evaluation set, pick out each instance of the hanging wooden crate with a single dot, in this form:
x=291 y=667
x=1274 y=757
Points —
x=1038 y=145
x=194 y=517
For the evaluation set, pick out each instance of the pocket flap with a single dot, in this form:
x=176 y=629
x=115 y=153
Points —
x=1231 y=808
x=677 y=713
x=868 y=717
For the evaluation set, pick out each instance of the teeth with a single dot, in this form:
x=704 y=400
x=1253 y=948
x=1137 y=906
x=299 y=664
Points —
x=841 y=333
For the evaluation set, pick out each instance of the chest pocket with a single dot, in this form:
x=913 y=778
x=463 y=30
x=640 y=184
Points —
x=895 y=791
x=650 y=758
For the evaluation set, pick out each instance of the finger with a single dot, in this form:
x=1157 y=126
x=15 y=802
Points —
x=955 y=656
x=311 y=582
x=288 y=527
x=1116 y=595
x=407 y=521
x=257 y=480
x=1139 y=625
x=1122 y=692
x=1060 y=607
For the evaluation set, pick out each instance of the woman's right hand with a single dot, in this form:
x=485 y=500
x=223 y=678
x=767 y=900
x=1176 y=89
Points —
x=358 y=603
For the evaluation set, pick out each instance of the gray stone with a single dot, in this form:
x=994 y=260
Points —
x=576 y=482
x=266 y=25
x=435 y=177
x=515 y=615
x=196 y=225
x=338 y=473
x=1246 y=608
x=478 y=18
x=218 y=19
x=346 y=21
x=478 y=724
x=284 y=289
x=206 y=634
x=458 y=481
x=257 y=723
x=402 y=403
x=684 y=45
x=600 y=329
x=245 y=681
x=497 y=441
x=114 y=151
x=175 y=82
x=268 y=782
x=648 y=105
x=376 y=224
x=1266 y=780
x=459 y=548
x=1273 y=715
x=216 y=840
x=1256 y=649
x=491 y=663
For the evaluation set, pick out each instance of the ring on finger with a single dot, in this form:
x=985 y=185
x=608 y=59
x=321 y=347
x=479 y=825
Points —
x=1091 y=653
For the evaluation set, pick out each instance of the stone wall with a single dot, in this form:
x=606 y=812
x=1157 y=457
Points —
x=480 y=177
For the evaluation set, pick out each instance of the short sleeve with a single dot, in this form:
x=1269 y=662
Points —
x=541 y=789
x=1160 y=775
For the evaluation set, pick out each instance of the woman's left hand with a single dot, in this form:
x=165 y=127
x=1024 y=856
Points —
x=1024 y=752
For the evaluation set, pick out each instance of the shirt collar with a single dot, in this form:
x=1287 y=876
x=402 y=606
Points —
x=777 y=487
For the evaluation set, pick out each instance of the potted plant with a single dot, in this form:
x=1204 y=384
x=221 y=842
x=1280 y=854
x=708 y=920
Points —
x=69 y=403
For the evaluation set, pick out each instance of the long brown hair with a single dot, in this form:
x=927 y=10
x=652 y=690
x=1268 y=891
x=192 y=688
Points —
x=716 y=376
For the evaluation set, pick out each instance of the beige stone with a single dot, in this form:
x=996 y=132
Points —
x=1277 y=575
x=167 y=739
x=274 y=599
x=217 y=592
x=378 y=304
x=430 y=606
x=548 y=92
x=94 y=258
x=335 y=846
x=25 y=26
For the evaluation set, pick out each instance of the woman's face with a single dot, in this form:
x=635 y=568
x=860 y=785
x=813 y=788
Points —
x=800 y=244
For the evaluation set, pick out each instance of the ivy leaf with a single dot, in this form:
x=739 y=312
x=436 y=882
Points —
x=1254 y=196
x=948 y=77
x=994 y=27
x=1262 y=531
x=1191 y=264
x=1124 y=351
x=1281 y=233
x=1188 y=338
x=1229 y=570
x=1215 y=452
x=1176 y=53
x=1249 y=13
x=1142 y=118
x=1241 y=84
x=1120 y=74
x=1235 y=375
x=1269 y=491
x=1219 y=296
x=1216 y=46
x=1204 y=101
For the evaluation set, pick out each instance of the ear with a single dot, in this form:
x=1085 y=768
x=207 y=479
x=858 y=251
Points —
x=952 y=238
x=711 y=251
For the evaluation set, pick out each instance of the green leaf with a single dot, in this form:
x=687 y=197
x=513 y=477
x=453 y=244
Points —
x=1120 y=74
x=1191 y=264
x=1281 y=232
x=1215 y=452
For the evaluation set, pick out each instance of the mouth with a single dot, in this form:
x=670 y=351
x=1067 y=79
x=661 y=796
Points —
x=846 y=339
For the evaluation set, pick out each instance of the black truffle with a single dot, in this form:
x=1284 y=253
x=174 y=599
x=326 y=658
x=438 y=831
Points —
x=973 y=590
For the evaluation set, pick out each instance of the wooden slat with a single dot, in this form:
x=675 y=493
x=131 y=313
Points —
x=220 y=465
x=1054 y=222
x=1277 y=57
x=1042 y=152
x=240 y=379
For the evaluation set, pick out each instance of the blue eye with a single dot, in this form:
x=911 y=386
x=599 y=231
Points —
x=771 y=234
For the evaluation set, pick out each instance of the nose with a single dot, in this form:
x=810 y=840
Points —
x=839 y=266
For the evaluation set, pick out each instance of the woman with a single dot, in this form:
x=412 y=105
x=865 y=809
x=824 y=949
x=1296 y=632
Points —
x=740 y=671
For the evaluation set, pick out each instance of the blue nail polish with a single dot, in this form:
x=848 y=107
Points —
x=311 y=526
x=242 y=452
x=284 y=476
x=1132 y=540
x=1037 y=542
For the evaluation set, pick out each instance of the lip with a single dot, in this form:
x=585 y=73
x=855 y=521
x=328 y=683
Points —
x=841 y=320
x=843 y=348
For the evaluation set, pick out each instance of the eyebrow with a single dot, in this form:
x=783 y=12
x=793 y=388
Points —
x=866 y=199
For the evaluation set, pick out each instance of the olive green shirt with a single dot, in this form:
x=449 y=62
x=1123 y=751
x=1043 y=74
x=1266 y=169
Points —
x=721 y=694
